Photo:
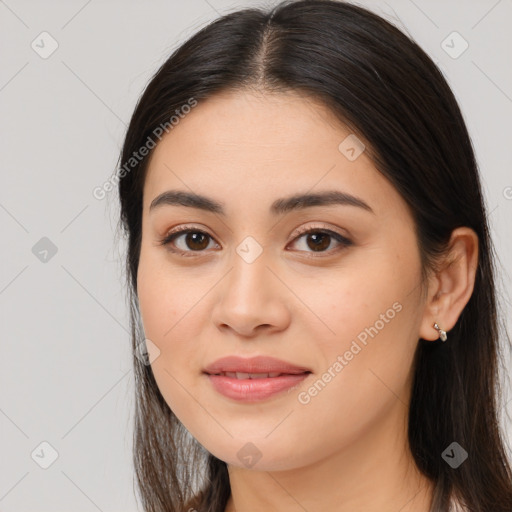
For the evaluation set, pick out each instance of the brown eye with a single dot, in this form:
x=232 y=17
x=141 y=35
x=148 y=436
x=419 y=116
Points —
x=319 y=240
x=190 y=241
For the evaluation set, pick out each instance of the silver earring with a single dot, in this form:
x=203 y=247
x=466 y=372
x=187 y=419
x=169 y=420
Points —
x=442 y=334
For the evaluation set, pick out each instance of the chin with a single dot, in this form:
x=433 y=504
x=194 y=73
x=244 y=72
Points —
x=261 y=456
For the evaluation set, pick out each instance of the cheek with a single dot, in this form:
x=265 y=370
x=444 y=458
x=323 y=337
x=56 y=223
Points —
x=351 y=299
x=369 y=317
x=366 y=370
x=170 y=312
x=172 y=366
x=170 y=323
x=163 y=297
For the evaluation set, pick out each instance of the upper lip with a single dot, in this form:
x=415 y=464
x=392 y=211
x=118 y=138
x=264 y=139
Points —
x=257 y=364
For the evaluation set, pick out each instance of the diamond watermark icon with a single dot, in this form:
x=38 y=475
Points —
x=249 y=249
x=455 y=455
x=351 y=147
x=249 y=455
x=44 y=45
x=454 y=45
x=146 y=352
x=44 y=250
x=44 y=455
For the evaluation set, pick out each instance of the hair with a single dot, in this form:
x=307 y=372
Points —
x=378 y=82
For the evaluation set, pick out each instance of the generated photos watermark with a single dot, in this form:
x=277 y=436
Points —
x=305 y=397
x=100 y=192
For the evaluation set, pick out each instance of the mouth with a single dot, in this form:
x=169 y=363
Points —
x=254 y=379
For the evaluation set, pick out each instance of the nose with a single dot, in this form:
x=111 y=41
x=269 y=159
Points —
x=251 y=299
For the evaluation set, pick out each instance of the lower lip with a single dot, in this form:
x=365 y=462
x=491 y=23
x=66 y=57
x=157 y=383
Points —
x=254 y=390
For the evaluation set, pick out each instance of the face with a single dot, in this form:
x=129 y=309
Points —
x=343 y=301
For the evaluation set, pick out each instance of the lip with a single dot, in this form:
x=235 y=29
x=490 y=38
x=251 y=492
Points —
x=257 y=364
x=258 y=389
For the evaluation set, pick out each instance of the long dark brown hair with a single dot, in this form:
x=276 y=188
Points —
x=386 y=89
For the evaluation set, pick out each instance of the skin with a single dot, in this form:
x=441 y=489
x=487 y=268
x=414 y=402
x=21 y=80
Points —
x=345 y=450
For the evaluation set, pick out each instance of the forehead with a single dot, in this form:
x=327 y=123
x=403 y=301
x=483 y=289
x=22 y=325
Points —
x=242 y=145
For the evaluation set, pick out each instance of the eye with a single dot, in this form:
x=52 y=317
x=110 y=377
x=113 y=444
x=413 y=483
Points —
x=319 y=239
x=196 y=241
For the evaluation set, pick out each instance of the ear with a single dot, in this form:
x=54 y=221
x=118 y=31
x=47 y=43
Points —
x=451 y=286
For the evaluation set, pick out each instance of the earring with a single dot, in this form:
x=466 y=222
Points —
x=442 y=334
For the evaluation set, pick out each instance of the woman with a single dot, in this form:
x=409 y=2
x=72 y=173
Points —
x=311 y=274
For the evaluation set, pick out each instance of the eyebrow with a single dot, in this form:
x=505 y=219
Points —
x=278 y=207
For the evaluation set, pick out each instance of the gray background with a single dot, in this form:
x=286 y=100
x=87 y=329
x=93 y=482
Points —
x=65 y=370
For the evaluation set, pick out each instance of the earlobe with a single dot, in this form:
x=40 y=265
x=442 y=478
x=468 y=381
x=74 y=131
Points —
x=452 y=286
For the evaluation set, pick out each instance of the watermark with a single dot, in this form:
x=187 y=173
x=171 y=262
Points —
x=146 y=352
x=351 y=147
x=44 y=455
x=249 y=455
x=100 y=192
x=44 y=249
x=249 y=249
x=44 y=45
x=454 y=455
x=454 y=44
x=304 y=397
x=507 y=192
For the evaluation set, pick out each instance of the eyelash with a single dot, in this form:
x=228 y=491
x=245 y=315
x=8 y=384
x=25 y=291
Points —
x=172 y=235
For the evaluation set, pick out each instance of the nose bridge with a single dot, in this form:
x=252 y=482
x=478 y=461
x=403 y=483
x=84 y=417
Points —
x=250 y=294
x=250 y=275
